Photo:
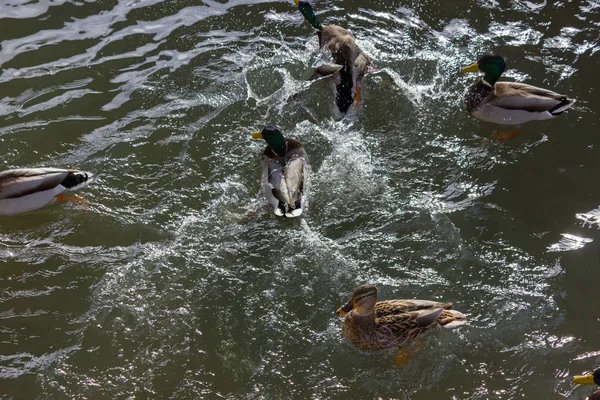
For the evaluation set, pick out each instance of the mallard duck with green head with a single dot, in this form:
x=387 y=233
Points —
x=27 y=189
x=391 y=324
x=350 y=63
x=509 y=103
x=284 y=172
x=590 y=379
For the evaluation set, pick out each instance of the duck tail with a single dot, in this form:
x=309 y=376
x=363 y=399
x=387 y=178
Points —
x=284 y=208
x=292 y=213
x=76 y=179
x=564 y=104
x=452 y=319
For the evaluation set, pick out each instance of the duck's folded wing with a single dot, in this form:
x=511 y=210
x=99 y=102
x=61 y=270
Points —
x=292 y=184
x=390 y=307
x=520 y=96
x=327 y=69
x=22 y=182
x=272 y=176
x=287 y=184
x=396 y=330
x=426 y=318
x=408 y=325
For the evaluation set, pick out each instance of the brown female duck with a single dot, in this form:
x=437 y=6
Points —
x=350 y=63
x=390 y=324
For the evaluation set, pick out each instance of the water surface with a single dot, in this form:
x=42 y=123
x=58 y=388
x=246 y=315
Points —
x=177 y=281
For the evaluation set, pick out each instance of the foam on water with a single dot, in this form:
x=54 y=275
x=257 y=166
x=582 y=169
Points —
x=569 y=242
x=179 y=282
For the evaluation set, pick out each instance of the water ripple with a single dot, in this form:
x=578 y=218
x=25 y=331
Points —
x=177 y=281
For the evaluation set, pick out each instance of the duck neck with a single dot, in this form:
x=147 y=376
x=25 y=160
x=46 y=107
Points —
x=492 y=76
x=307 y=10
x=277 y=144
x=366 y=320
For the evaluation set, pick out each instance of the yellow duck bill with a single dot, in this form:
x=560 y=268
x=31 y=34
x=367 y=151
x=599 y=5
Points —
x=471 y=68
x=584 y=379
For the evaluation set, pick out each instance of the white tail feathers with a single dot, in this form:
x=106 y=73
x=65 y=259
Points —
x=456 y=319
x=289 y=214
x=454 y=324
x=568 y=103
x=294 y=213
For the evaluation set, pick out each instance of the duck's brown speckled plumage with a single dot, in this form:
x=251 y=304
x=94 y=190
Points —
x=350 y=64
x=351 y=61
x=343 y=48
x=393 y=323
x=477 y=94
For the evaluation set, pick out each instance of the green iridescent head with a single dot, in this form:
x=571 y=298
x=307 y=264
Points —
x=493 y=65
x=309 y=14
x=274 y=139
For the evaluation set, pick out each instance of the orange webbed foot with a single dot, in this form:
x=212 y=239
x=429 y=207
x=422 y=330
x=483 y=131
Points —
x=403 y=354
x=401 y=357
x=504 y=135
x=254 y=211
x=74 y=198
x=357 y=97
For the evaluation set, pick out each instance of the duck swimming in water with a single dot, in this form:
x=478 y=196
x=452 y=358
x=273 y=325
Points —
x=390 y=324
x=284 y=172
x=27 y=189
x=350 y=63
x=509 y=103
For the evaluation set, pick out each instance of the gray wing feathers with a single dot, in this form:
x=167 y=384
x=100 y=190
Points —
x=272 y=175
x=291 y=185
x=520 y=96
x=21 y=182
x=284 y=183
x=428 y=317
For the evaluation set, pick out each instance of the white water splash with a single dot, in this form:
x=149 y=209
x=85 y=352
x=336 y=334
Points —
x=569 y=242
x=590 y=218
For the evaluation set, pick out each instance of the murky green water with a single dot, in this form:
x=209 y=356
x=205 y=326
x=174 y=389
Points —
x=176 y=282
